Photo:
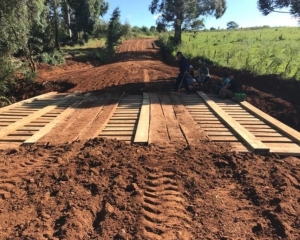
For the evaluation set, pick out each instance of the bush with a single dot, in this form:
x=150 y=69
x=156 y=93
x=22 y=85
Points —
x=7 y=71
x=53 y=58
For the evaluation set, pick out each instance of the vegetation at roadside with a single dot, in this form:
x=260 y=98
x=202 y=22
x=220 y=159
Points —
x=259 y=50
x=49 y=30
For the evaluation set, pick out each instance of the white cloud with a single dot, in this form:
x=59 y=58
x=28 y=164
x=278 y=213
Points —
x=129 y=16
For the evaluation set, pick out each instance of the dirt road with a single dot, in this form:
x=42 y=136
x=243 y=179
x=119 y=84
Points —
x=107 y=189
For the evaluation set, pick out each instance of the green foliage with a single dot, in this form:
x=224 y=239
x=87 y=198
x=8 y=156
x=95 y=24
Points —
x=161 y=27
x=7 y=70
x=268 y=6
x=114 y=31
x=4 y=100
x=232 y=25
x=52 y=58
x=257 y=50
x=183 y=13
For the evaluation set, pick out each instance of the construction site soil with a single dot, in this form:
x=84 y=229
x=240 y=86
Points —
x=108 y=189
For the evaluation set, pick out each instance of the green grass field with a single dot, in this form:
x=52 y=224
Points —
x=261 y=51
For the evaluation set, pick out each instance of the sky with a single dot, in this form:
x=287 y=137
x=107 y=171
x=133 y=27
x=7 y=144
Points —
x=244 y=12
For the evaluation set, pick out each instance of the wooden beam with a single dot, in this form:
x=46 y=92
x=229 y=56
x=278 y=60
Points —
x=25 y=121
x=191 y=130
x=142 y=131
x=47 y=128
x=255 y=144
x=6 y=108
x=290 y=132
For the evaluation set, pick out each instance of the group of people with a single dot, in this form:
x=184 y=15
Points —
x=224 y=89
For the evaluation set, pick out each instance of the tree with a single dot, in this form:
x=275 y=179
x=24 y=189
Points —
x=197 y=25
x=161 y=27
x=152 y=29
x=16 y=20
x=114 y=31
x=268 y=6
x=83 y=16
x=232 y=25
x=182 y=13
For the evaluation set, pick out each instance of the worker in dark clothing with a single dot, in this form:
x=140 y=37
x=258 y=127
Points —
x=229 y=89
x=183 y=70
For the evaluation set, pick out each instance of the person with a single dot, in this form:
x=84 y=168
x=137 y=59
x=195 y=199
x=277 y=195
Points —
x=222 y=83
x=191 y=75
x=230 y=88
x=183 y=70
x=202 y=70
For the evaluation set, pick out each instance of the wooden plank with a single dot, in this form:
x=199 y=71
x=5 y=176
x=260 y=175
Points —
x=266 y=134
x=259 y=126
x=28 y=129
x=249 y=122
x=173 y=127
x=158 y=133
x=13 y=139
x=206 y=119
x=243 y=119
x=262 y=130
x=35 y=125
x=22 y=133
x=15 y=117
x=208 y=122
x=224 y=139
x=212 y=125
x=214 y=129
x=12 y=127
x=98 y=123
x=124 y=118
x=121 y=121
x=120 y=138
x=119 y=128
x=14 y=114
x=142 y=131
x=121 y=125
x=283 y=145
x=6 y=108
x=221 y=133
x=47 y=128
x=190 y=129
x=115 y=133
x=290 y=132
x=255 y=144
x=275 y=139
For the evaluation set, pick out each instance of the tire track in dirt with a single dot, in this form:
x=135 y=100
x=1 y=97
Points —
x=20 y=173
x=164 y=213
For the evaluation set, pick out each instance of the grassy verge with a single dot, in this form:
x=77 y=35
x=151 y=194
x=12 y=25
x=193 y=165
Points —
x=260 y=51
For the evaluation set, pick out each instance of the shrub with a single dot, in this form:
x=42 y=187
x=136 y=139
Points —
x=53 y=58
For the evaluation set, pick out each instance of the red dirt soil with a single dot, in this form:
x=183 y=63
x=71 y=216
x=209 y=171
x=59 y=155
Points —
x=107 y=189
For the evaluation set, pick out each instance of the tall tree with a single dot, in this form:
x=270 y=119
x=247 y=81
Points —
x=179 y=13
x=84 y=14
x=268 y=6
x=16 y=20
x=114 y=31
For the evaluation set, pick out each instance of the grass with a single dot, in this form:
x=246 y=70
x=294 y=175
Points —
x=261 y=50
x=88 y=49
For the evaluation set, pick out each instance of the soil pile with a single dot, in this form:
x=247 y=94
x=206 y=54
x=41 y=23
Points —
x=106 y=189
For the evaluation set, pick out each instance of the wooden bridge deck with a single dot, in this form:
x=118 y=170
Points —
x=150 y=118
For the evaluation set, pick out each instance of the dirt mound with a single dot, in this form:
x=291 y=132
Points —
x=79 y=191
